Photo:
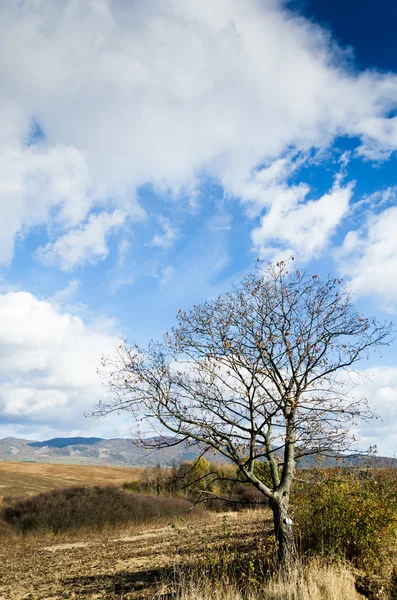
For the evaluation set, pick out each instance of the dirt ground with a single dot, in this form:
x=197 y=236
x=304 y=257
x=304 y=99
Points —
x=123 y=564
x=23 y=479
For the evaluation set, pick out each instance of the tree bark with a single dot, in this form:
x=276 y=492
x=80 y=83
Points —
x=283 y=531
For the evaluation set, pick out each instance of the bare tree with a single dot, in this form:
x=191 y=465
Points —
x=261 y=373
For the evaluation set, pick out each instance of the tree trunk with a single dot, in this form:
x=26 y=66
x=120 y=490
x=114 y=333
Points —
x=283 y=531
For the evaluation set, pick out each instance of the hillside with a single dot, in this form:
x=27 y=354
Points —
x=26 y=478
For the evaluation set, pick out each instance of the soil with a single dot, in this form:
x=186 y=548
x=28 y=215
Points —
x=123 y=564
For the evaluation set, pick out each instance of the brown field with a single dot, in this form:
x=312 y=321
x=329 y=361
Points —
x=123 y=564
x=145 y=561
x=23 y=478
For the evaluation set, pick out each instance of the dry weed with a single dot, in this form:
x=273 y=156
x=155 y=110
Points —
x=315 y=581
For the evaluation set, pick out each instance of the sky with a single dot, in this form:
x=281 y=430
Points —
x=151 y=151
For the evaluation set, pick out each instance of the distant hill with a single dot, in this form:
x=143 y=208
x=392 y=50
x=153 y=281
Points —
x=93 y=451
x=64 y=442
x=124 y=453
x=352 y=460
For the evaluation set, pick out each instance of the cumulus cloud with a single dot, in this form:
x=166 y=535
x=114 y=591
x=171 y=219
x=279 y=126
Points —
x=48 y=365
x=292 y=224
x=379 y=138
x=309 y=227
x=159 y=93
x=368 y=257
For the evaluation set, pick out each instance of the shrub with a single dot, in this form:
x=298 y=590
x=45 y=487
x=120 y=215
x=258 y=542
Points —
x=240 y=497
x=350 y=513
x=262 y=471
x=188 y=478
x=219 y=485
x=131 y=486
x=156 y=480
x=5 y=529
x=88 y=507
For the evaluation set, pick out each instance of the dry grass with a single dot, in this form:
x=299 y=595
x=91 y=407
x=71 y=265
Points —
x=315 y=581
x=26 y=479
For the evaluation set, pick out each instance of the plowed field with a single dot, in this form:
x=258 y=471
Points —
x=134 y=564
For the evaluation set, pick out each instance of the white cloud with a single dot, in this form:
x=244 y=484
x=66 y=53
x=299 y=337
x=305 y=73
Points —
x=87 y=243
x=368 y=257
x=48 y=365
x=379 y=136
x=262 y=186
x=25 y=401
x=379 y=386
x=152 y=92
x=377 y=200
x=293 y=225
x=168 y=237
x=62 y=297
x=40 y=186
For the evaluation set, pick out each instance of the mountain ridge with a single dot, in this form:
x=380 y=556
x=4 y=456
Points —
x=64 y=442
x=124 y=452
x=93 y=451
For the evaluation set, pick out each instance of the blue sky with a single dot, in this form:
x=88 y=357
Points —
x=366 y=27
x=150 y=151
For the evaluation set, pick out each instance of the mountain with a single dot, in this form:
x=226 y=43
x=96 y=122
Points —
x=64 y=442
x=124 y=453
x=93 y=451
x=348 y=460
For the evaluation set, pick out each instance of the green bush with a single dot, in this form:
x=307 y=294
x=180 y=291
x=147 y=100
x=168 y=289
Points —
x=349 y=513
x=95 y=507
